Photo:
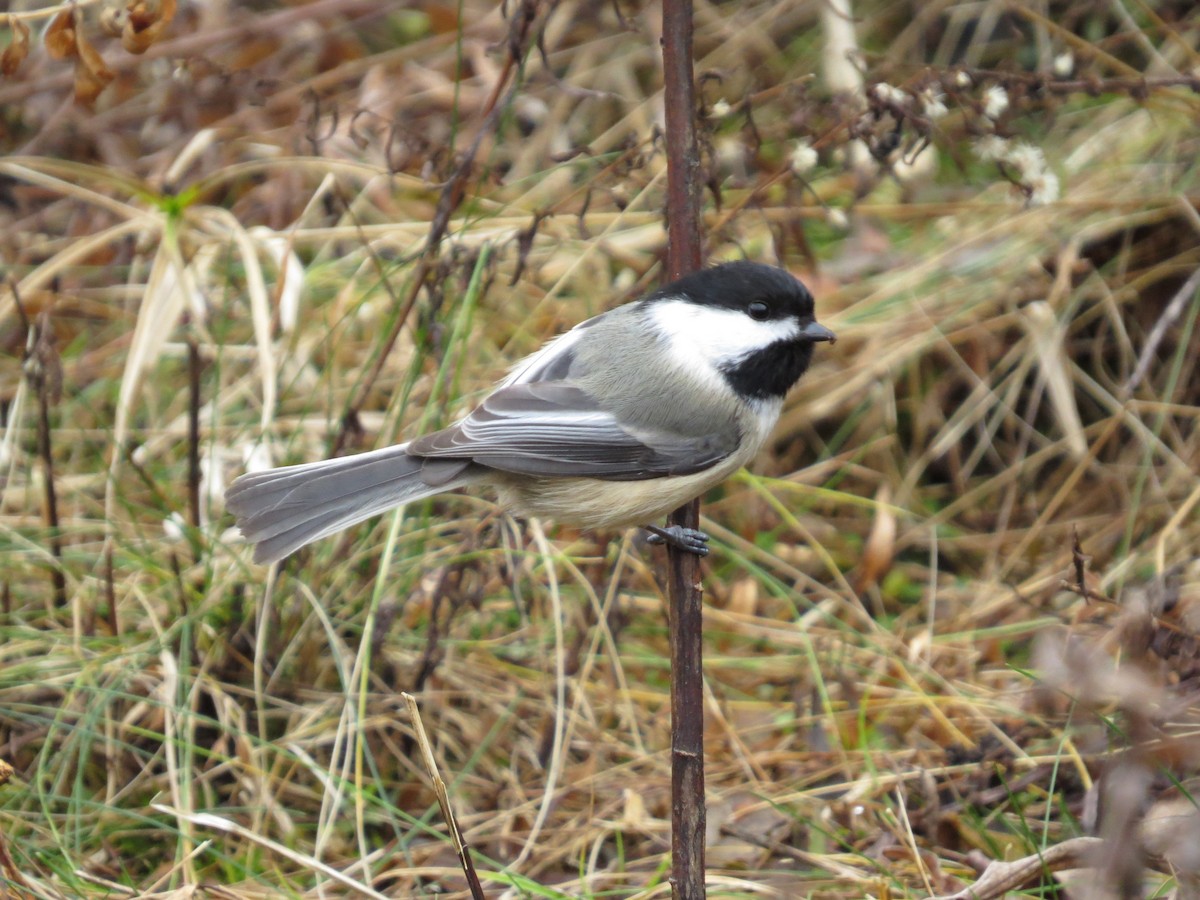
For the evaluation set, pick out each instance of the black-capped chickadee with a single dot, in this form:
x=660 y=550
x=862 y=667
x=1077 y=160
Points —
x=617 y=422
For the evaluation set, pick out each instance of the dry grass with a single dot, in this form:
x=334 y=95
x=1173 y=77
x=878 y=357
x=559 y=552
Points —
x=911 y=668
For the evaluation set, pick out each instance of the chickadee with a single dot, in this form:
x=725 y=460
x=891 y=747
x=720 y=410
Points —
x=617 y=422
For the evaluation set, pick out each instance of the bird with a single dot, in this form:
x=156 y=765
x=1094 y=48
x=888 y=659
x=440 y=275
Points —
x=614 y=423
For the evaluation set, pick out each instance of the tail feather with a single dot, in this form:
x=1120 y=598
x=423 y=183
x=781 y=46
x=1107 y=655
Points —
x=283 y=509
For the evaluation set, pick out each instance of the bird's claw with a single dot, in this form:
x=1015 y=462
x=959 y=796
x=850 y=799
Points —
x=690 y=540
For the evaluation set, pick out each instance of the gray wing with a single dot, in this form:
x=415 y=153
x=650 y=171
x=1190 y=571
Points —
x=555 y=428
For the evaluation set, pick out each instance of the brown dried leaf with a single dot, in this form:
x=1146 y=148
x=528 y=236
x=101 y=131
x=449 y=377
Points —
x=145 y=22
x=880 y=548
x=89 y=84
x=1002 y=877
x=743 y=597
x=17 y=49
x=91 y=57
x=91 y=74
x=65 y=39
x=60 y=36
x=111 y=21
x=44 y=366
x=1171 y=830
x=634 y=816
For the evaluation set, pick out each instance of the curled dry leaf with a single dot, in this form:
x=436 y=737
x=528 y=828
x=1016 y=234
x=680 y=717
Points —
x=89 y=84
x=60 y=36
x=145 y=22
x=65 y=39
x=91 y=74
x=634 y=816
x=880 y=548
x=112 y=21
x=43 y=365
x=1002 y=877
x=17 y=49
x=743 y=597
x=1171 y=831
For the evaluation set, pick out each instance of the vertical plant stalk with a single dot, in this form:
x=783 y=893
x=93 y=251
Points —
x=110 y=592
x=43 y=371
x=687 y=675
x=194 y=370
x=44 y=451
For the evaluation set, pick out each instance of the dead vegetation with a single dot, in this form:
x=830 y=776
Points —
x=952 y=618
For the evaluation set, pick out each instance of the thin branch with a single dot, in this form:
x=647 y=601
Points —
x=687 y=675
x=1173 y=311
x=43 y=371
x=194 y=370
x=461 y=847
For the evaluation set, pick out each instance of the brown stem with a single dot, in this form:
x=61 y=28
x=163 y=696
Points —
x=43 y=371
x=194 y=366
x=57 y=578
x=110 y=592
x=687 y=675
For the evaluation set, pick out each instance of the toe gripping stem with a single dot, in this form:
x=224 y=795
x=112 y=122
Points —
x=691 y=540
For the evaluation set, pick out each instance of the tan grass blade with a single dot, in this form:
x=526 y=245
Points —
x=228 y=826
x=162 y=305
x=554 y=772
x=260 y=309
x=1048 y=336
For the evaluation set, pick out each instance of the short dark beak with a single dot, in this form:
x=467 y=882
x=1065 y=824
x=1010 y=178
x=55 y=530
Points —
x=815 y=331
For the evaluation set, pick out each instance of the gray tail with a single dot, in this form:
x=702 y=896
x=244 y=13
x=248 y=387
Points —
x=283 y=509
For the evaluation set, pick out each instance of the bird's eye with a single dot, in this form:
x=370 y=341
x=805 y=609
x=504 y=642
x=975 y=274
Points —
x=758 y=310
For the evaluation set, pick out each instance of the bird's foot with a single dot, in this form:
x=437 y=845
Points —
x=690 y=540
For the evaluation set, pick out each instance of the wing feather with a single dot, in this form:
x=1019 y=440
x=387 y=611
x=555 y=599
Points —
x=555 y=428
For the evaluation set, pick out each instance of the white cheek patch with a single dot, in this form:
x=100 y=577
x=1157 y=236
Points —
x=721 y=337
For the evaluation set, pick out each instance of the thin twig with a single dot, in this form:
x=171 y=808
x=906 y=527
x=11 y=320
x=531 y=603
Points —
x=687 y=676
x=443 y=797
x=1173 y=311
x=194 y=366
x=1080 y=561
x=110 y=590
x=1138 y=88
x=43 y=370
